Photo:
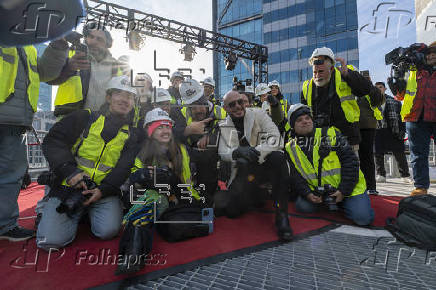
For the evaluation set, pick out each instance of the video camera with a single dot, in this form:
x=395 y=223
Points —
x=74 y=200
x=402 y=60
x=324 y=192
x=239 y=85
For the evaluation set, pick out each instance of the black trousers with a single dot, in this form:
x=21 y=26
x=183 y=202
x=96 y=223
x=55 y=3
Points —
x=245 y=193
x=400 y=156
x=366 y=156
x=207 y=172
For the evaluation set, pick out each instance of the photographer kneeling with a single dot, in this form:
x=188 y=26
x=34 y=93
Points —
x=337 y=181
x=91 y=154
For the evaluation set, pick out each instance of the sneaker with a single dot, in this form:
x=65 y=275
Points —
x=418 y=191
x=407 y=180
x=373 y=192
x=18 y=234
x=380 y=178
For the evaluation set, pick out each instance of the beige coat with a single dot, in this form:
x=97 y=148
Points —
x=259 y=130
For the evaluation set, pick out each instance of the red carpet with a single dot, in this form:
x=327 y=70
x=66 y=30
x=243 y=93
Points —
x=89 y=261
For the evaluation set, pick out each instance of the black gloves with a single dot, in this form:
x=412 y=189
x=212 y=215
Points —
x=272 y=100
x=247 y=153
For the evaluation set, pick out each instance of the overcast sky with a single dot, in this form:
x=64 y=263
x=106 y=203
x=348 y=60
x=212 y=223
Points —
x=192 y=12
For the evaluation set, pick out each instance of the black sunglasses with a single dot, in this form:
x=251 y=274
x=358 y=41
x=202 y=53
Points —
x=318 y=61
x=233 y=104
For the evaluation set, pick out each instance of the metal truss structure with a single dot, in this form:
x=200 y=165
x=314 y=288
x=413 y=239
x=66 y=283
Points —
x=115 y=16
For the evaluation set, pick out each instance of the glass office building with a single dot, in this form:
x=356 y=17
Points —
x=291 y=29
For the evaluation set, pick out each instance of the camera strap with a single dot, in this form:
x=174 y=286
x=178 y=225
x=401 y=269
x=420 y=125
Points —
x=93 y=116
x=323 y=151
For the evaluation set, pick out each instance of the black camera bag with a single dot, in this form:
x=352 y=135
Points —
x=172 y=229
x=415 y=224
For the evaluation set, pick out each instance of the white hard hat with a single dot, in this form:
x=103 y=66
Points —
x=274 y=83
x=294 y=108
x=249 y=89
x=121 y=83
x=325 y=51
x=156 y=114
x=209 y=81
x=176 y=74
x=262 y=89
x=143 y=77
x=191 y=91
x=161 y=95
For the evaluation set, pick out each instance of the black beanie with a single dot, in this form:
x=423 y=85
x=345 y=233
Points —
x=300 y=112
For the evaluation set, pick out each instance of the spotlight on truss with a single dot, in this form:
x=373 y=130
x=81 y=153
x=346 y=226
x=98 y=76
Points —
x=188 y=50
x=230 y=61
x=136 y=41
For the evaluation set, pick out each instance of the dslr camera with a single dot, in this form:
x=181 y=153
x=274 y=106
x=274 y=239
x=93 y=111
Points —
x=77 y=45
x=75 y=199
x=239 y=85
x=402 y=60
x=324 y=192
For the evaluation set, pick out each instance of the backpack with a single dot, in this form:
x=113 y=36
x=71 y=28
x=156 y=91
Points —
x=415 y=224
x=171 y=227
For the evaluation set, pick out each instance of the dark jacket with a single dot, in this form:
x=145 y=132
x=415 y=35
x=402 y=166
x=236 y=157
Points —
x=349 y=168
x=63 y=135
x=327 y=106
x=175 y=93
x=367 y=119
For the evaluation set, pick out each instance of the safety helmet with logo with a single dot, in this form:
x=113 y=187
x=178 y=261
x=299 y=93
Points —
x=209 y=81
x=322 y=51
x=262 y=89
x=121 y=83
x=191 y=91
x=297 y=110
x=161 y=95
x=176 y=74
x=274 y=83
x=157 y=114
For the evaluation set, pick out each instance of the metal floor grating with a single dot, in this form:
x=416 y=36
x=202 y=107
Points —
x=331 y=260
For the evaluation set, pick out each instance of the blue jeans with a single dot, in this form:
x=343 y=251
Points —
x=357 y=208
x=419 y=143
x=56 y=230
x=13 y=164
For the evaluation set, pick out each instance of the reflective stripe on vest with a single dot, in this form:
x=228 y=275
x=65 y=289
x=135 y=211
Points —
x=331 y=167
x=96 y=157
x=9 y=69
x=348 y=101
x=186 y=170
x=411 y=89
x=218 y=112
x=377 y=114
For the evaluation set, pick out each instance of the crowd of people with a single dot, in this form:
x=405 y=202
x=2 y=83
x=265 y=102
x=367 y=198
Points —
x=231 y=153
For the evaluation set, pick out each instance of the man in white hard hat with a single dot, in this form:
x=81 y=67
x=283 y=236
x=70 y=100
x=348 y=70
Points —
x=251 y=142
x=270 y=104
x=209 y=90
x=176 y=80
x=332 y=92
x=91 y=154
x=162 y=99
x=277 y=94
x=196 y=126
x=336 y=178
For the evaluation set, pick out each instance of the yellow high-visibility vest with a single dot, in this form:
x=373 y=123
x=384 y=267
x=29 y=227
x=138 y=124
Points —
x=8 y=71
x=331 y=166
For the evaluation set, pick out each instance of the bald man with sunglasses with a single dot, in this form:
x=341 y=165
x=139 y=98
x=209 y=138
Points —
x=251 y=141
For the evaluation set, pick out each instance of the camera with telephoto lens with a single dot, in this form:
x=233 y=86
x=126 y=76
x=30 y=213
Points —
x=324 y=192
x=75 y=199
x=402 y=60
x=239 y=85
